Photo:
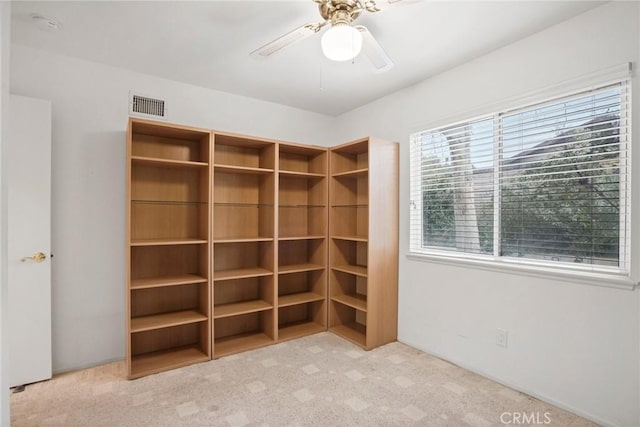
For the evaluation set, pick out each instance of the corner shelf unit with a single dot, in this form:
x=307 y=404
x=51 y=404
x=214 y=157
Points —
x=363 y=247
x=168 y=228
x=236 y=242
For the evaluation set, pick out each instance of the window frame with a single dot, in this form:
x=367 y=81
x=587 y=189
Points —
x=619 y=277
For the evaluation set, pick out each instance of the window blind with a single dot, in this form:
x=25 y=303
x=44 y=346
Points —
x=563 y=187
x=547 y=183
x=452 y=187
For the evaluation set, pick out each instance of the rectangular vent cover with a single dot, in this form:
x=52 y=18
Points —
x=147 y=106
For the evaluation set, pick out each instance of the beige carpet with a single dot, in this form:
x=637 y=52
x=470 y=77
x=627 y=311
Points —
x=318 y=380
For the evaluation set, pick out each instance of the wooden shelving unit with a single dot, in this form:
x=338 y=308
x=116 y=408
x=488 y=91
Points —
x=229 y=246
x=168 y=236
x=302 y=240
x=363 y=248
x=244 y=236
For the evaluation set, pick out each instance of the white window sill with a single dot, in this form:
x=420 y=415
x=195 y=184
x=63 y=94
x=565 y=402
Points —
x=596 y=278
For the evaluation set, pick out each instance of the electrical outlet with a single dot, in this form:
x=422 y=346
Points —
x=502 y=337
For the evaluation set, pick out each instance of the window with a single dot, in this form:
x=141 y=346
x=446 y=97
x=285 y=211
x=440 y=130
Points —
x=545 y=184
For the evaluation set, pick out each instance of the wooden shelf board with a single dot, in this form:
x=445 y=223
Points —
x=241 y=169
x=167 y=202
x=168 y=242
x=290 y=331
x=352 y=238
x=308 y=237
x=299 y=298
x=302 y=206
x=166 y=320
x=158 y=361
x=298 y=268
x=352 y=173
x=242 y=239
x=240 y=273
x=167 y=130
x=357 y=270
x=241 y=205
x=357 y=301
x=297 y=174
x=162 y=281
x=157 y=161
x=239 y=343
x=235 y=309
x=354 y=332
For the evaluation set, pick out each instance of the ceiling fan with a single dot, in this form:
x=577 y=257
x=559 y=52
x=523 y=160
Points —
x=343 y=41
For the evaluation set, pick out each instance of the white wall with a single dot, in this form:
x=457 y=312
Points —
x=573 y=344
x=90 y=111
x=5 y=24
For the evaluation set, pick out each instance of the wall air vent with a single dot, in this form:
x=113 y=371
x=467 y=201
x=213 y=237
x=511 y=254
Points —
x=145 y=106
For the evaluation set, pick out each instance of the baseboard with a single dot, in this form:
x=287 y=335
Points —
x=86 y=366
x=516 y=387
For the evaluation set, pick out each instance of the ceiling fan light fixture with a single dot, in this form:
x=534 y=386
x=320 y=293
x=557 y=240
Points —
x=341 y=42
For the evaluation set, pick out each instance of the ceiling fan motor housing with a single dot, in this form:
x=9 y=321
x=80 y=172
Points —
x=340 y=11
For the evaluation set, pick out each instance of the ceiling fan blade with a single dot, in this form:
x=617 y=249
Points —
x=287 y=40
x=383 y=5
x=374 y=52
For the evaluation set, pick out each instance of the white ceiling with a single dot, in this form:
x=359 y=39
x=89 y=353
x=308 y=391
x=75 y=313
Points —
x=207 y=43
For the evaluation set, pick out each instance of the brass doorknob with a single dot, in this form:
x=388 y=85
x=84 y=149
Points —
x=37 y=257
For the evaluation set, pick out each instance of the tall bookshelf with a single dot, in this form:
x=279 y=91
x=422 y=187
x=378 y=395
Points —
x=302 y=240
x=363 y=248
x=244 y=254
x=168 y=228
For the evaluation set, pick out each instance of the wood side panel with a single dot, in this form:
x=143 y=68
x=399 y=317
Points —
x=382 y=315
x=212 y=247
x=205 y=259
x=271 y=319
x=128 y=265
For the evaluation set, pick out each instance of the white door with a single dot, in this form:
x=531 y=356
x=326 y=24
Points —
x=28 y=155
